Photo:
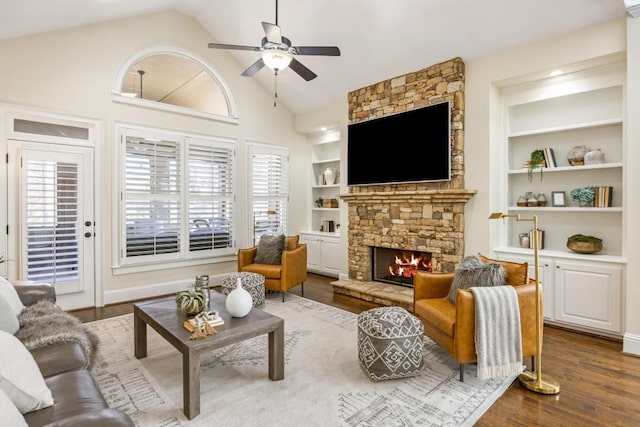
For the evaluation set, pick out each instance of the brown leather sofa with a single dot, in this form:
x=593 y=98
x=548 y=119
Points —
x=452 y=326
x=292 y=270
x=78 y=401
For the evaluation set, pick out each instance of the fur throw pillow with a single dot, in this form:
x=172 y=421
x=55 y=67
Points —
x=473 y=272
x=270 y=250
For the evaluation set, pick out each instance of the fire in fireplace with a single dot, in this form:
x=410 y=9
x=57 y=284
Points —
x=398 y=266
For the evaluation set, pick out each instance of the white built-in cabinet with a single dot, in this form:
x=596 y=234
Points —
x=325 y=154
x=323 y=245
x=323 y=253
x=582 y=108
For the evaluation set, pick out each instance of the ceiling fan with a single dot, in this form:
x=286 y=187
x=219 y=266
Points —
x=277 y=52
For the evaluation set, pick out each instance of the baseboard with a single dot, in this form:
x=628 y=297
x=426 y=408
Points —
x=631 y=344
x=135 y=293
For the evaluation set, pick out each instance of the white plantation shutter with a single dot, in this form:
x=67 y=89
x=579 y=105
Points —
x=178 y=198
x=152 y=192
x=51 y=220
x=269 y=189
x=211 y=195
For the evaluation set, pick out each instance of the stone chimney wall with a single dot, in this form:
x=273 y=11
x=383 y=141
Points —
x=416 y=216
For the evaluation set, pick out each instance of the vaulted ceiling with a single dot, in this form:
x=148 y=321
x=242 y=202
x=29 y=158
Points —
x=378 y=39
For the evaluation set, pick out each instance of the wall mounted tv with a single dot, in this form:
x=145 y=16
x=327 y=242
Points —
x=412 y=146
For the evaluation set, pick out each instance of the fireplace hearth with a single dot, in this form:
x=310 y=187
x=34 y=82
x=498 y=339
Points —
x=398 y=266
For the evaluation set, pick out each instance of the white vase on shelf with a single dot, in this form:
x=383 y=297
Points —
x=239 y=301
x=330 y=176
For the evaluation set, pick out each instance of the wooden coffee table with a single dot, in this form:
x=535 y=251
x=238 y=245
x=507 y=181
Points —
x=166 y=319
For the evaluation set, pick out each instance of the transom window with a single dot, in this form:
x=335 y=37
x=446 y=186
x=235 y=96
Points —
x=174 y=80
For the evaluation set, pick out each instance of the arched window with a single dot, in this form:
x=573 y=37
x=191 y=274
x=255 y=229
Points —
x=174 y=80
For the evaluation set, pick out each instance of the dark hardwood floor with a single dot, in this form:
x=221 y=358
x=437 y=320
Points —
x=599 y=385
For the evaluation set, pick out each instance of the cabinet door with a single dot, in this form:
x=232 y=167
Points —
x=331 y=256
x=546 y=281
x=589 y=294
x=314 y=256
x=547 y=284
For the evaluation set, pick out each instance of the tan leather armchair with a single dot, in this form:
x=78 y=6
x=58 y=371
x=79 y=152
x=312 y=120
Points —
x=291 y=272
x=452 y=326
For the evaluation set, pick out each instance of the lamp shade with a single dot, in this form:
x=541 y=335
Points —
x=276 y=59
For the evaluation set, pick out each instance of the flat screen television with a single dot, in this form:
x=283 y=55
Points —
x=412 y=146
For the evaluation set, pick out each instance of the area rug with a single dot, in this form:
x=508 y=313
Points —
x=324 y=383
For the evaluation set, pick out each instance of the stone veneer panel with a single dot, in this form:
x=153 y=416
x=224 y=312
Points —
x=413 y=216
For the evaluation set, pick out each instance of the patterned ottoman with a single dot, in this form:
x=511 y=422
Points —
x=390 y=343
x=252 y=282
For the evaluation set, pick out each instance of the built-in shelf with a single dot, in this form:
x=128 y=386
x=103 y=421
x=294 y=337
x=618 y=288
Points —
x=585 y=109
x=558 y=254
x=326 y=209
x=326 y=186
x=323 y=161
x=566 y=209
x=574 y=126
x=615 y=165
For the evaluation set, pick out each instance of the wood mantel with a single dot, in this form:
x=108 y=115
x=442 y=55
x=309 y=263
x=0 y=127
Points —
x=433 y=196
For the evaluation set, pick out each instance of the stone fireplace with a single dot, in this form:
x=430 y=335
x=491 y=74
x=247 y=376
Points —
x=422 y=217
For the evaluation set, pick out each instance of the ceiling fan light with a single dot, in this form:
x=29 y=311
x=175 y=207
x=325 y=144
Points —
x=276 y=59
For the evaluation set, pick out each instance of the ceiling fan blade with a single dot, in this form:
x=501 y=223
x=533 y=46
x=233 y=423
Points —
x=233 y=46
x=253 y=68
x=315 y=50
x=273 y=33
x=303 y=71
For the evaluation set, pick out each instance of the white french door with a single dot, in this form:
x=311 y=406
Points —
x=52 y=188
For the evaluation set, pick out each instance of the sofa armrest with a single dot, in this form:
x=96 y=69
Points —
x=431 y=285
x=294 y=266
x=246 y=256
x=31 y=292
x=108 y=417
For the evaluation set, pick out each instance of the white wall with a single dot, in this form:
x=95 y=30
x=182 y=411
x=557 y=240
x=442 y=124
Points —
x=631 y=342
x=73 y=72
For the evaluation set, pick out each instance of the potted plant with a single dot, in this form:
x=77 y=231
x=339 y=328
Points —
x=190 y=302
x=320 y=202
x=584 y=195
x=536 y=160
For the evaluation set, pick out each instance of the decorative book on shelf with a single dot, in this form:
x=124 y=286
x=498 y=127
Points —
x=602 y=197
x=550 y=157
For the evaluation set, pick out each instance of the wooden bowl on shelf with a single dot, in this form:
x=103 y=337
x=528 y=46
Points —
x=585 y=247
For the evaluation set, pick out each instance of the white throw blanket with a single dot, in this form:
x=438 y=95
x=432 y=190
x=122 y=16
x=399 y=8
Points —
x=497 y=336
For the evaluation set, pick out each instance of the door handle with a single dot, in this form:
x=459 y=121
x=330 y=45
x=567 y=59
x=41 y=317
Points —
x=87 y=223
x=87 y=234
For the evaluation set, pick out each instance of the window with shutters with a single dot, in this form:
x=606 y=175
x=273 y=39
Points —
x=269 y=181
x=177 y=197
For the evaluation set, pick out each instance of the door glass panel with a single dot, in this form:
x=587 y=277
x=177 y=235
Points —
x=52 y=218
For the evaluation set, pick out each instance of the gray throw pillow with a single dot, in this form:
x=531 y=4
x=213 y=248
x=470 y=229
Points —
x=473 y=272
x=270 y=250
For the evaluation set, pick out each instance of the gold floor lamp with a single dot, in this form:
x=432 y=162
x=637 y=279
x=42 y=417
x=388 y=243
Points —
x=534 y=381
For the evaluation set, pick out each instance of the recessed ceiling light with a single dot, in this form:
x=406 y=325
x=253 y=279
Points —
x=555 y=73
